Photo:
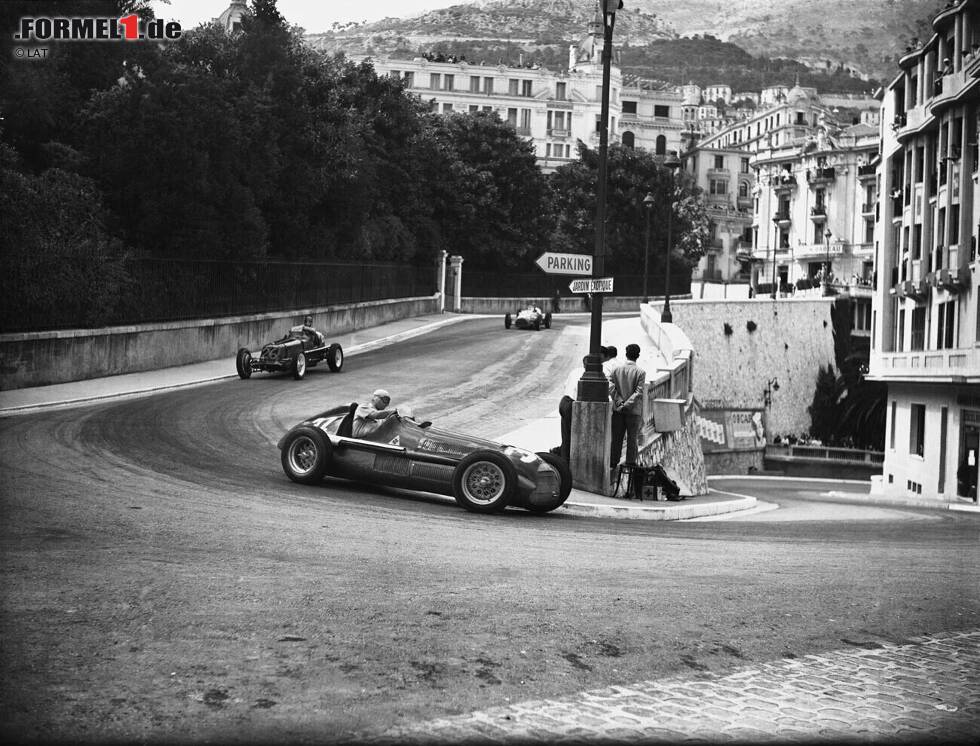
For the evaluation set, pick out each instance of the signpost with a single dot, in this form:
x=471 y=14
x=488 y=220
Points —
x=594 y=285
x=565 y=264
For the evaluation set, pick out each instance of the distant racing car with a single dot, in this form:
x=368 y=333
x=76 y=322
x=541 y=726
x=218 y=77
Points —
x=300 y=349
x=531 y=317
x=482 y=476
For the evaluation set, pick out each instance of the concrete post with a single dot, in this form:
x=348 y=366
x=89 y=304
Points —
x=441 y=279
x=456 y=263
x=591 y=429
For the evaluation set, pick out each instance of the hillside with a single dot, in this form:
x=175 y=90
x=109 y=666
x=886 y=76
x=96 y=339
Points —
x=866 y=36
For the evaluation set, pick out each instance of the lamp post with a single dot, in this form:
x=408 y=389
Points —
x=672 y=163
x=826 y=272
x=775 y=244
x=593 y=386
x=647 y=209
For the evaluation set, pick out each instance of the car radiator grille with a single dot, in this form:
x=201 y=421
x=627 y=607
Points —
x=435 y=472
x=391 y=464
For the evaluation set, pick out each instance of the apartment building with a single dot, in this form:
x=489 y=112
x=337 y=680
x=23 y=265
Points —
x=925 y=322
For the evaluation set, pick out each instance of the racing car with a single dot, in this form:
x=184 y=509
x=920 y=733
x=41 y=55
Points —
x=482 y=476
x=300 y=349
x=528 y=318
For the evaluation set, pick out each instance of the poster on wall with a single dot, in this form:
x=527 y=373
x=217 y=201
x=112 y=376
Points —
x=731 y=429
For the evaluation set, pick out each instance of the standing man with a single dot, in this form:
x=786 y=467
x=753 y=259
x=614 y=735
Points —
x=627 y=382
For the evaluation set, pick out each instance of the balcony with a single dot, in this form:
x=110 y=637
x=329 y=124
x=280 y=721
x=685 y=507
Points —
x=559 y=132
x=868 y=208
x=820 y=175
x=784 y=182
x=953 y=280
x=867 y=172
x=818 y=213
x=928 y=366
x=719 y=173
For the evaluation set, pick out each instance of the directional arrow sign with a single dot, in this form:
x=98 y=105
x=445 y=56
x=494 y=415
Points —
x=599 y=285
x=565 y=264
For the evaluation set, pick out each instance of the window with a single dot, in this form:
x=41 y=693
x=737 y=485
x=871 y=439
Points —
x=474 y=108
x=818 y=236
x=447 y=108
x=512 y=117
x=661 y=110
x=800 y=117
x=946 y=325
x=525 y=121
x=629 y=107
x=409 y=80
x=901 y=330
x=743 y=190
x=449 y=83
x=744 y=165
x=435 y=80
x=719 y=161
x=488 y=86
x=474 y=84
x=917 y=429
x=717 y=186
x=661 y=147
x=512 y=86
x=526 y=88
x=560 y=89
x=629 y=139
x=918 y=328
x=891 y=436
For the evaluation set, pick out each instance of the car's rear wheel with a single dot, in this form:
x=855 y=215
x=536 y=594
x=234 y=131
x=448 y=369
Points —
x=306 y=455
x=335 y=357
x=547 y=320
x=299 y=366
x=507 y=321
x=484 y=482
x=560 y=465
x=243 y=363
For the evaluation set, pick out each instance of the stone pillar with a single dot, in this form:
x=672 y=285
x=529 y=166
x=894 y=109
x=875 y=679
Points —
x=441 y=279
x=591 y=429
x=456 y=265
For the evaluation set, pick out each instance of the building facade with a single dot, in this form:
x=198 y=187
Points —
x=926 y=326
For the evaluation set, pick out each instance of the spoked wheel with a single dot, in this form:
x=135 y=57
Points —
x=299 y=366
x=243 y=363
x=335 y=357
x=306 y=455
x=484 y=482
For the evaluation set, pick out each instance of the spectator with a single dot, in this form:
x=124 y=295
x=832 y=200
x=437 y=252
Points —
x=565 y=411
x=556 y=301
x=610 y=361
x=627 y=383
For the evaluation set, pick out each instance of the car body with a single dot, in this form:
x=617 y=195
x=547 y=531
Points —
x=483 y=476
x=298 y=350
x=530 y=317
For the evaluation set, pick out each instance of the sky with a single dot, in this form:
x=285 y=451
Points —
x=312 y=15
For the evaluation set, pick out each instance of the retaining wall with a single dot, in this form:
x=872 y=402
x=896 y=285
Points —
x=41 y=358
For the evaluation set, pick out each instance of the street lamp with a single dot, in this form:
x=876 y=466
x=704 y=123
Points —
x=647 y=209
x=593 y=386
x=672 y=163
x=826 y=271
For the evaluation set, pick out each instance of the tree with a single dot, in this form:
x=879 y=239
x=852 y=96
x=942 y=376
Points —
x=631 y=174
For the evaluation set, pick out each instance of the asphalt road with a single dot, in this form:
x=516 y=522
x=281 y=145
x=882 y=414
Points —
x=164 y=581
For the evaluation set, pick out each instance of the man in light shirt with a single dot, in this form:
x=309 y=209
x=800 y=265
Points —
x=627 y=382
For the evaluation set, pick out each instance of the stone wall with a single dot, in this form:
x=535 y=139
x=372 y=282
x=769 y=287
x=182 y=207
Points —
x=786 y=339
x=41 y=358
x=680 y=455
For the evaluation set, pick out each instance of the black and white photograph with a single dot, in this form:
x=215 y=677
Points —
x=489 y=372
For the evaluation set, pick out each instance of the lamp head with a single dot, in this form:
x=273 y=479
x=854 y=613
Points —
x=671 y=161
x=648 y=200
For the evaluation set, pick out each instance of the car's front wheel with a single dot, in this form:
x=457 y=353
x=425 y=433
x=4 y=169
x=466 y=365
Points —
x=306 y=455
x=299 y=366
x=484 y=482
x=335 y=357
x=243 y=363
x=560 y=465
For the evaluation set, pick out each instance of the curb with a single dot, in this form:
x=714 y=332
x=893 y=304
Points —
x=658 y=512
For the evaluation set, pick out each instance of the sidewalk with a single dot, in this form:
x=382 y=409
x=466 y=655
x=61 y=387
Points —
x=133 y=385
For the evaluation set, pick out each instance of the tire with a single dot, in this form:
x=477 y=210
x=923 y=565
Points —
x=306 y=455
x=565 y=476
x=243 y=363
x=299 y=366
x=537 y=325
x=507 y=321
x=484 y=482
x=335 y=357
x=547 y=320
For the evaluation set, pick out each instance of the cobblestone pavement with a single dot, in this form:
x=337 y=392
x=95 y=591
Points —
x=926 y=689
